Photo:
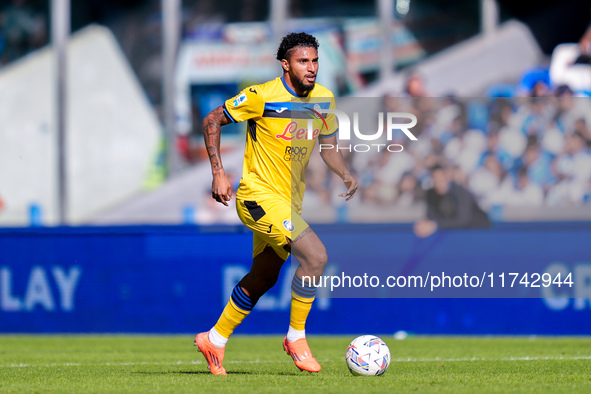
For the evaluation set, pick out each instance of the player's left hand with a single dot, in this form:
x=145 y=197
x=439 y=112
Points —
x=351 y=184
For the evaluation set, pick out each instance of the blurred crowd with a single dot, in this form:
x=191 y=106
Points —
x=522 y=151
x=532 y=150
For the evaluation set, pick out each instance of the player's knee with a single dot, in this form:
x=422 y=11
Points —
x=316 y=263
x=253 y=290
x=322 y=259
x=257 y=286
x=320 y=256
x=270 y=281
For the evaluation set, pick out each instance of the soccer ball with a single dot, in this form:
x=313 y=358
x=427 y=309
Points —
x=368 y=355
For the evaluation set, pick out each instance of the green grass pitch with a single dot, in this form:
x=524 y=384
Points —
x=123 y=363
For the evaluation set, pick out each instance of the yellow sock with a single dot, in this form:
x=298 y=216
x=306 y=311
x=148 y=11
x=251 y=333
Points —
x=231 y=317
x=300 y=308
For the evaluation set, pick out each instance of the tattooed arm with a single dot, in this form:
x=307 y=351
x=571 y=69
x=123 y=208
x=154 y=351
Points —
x=221 y=189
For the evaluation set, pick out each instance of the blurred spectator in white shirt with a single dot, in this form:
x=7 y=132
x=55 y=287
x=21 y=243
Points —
x=583 y=130
x=393 y=166
x=409 y=191
x=573 y=173
x=465 y=150
x=575 y=162
x=537 y=161
x=525 y=193
x=486 y=181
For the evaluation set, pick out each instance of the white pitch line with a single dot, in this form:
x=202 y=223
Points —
x=197 y=362
x=523 y=358
x=130 y=363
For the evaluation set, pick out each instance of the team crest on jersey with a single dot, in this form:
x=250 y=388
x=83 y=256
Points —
x=288 y=225
x=240 y=99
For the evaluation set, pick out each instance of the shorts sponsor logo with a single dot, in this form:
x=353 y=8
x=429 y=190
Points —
x=288 y=225
x=240 y=99
x=295 y=153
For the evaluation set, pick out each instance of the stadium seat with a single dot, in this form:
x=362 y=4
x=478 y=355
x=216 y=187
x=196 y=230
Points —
x=533 y=76
x=477 y=115
x=501 y=90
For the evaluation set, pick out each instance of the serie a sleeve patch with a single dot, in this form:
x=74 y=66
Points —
x=239 y=100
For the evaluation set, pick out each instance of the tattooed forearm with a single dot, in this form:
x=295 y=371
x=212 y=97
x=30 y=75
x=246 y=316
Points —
x=212 y=134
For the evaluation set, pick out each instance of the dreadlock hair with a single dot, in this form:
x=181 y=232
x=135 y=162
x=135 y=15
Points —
x=293 y=40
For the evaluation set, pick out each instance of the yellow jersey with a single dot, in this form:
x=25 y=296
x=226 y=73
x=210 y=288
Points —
x=282 y=131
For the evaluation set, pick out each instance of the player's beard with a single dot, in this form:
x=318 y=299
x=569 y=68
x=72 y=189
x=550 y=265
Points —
x=302 y=85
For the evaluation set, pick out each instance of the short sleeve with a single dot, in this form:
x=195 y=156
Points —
x=246 y=105
x=331 y=122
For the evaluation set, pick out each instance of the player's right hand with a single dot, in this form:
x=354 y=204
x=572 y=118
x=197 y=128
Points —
x=221 y=189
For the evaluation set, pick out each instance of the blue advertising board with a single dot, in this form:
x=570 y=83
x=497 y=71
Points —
x=154 y=279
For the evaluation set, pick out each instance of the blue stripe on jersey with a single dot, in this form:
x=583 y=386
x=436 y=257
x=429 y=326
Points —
x=290 y=90
x=330 y=135
x=289 y=106
x=241 y=300
x=228 y=114
x=278 y=106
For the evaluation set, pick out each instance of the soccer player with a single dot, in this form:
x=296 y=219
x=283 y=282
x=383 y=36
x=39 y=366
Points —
x=269 y=197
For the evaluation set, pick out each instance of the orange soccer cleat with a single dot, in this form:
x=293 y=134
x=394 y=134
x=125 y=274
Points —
x=214 y=355
x=301 y=354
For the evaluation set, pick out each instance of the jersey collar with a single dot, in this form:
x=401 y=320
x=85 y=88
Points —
x=291 y=91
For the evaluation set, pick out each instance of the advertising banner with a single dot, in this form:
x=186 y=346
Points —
x=177 y=279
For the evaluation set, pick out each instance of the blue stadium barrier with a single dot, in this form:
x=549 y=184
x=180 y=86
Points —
x=177 y=280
